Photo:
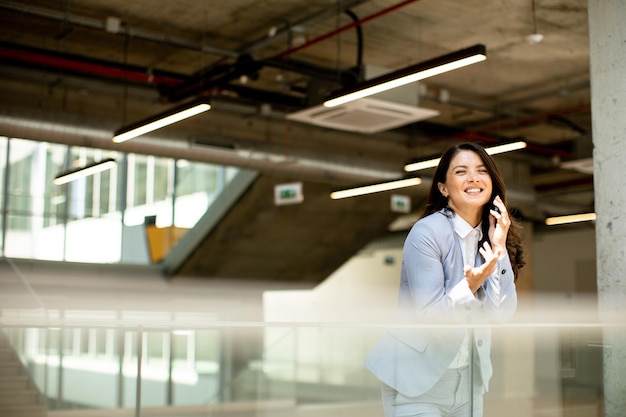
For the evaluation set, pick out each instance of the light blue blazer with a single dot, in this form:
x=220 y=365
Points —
x=411 y=359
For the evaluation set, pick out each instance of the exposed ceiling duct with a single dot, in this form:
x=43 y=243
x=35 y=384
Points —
x=508 y=98
x=57 y=128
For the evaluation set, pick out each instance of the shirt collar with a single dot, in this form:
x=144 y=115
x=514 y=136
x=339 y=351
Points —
x=463 y=228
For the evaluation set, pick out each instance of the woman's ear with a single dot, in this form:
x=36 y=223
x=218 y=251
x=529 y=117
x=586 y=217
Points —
x=442 y=189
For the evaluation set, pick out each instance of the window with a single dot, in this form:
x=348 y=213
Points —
x=90 y=219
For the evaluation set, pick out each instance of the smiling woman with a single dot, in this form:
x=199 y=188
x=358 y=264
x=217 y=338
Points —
x=437 y=201
x=460 y=264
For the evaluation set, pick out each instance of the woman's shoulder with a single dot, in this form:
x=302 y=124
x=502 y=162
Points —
x=435 y=220
x=435 y=224
x=434 y=231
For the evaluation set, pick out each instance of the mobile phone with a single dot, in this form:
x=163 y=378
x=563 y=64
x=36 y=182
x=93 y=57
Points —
x=494 y=208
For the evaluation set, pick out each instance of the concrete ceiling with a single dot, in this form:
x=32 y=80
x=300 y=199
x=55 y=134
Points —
x=93 y=65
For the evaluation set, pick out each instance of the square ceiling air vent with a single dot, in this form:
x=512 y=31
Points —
x=366 y=115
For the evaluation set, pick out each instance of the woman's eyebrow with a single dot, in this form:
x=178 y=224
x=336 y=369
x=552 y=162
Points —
x=465 y=166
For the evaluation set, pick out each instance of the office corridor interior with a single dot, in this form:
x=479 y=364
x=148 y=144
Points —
x=190 y=227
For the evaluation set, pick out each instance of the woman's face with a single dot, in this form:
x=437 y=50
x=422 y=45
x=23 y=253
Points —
x=468 y=184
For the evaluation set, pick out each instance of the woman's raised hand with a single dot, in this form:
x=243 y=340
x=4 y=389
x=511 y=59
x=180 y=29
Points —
x=475 y=276
x=499 y=223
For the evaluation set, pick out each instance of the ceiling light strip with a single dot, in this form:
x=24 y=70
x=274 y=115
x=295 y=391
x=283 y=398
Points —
x=573 y=218
x=164 y=119
x=430 y=68
x=416 y=166
x=431 y=163
x=84 y=171
x=375 y=188
x=507 y=147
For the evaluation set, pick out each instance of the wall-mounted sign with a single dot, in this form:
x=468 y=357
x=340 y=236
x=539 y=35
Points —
x=400 y=203
x=288 y=193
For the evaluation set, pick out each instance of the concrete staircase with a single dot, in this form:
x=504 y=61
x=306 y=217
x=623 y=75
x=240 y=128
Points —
x=19 y=396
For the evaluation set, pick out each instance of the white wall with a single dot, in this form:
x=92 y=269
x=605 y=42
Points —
x=364 y=289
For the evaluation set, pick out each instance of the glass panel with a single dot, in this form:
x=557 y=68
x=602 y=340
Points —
x=80 y=363
x=155 y=369
x=163 y=179
x=82 y=221
x=280 y=361
x=195 y=366
x=30 y=205
x=129 y=366
x=137 y=179
x=537 y=370
x=38 y=210
x=93 y=228
x=150 y=190
x=197 y=187
x=3 y=158
x=19 y=239
x=548 y=371
x=56 y=199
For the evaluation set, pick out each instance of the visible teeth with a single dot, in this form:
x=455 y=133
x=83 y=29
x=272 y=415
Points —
x=473 y=190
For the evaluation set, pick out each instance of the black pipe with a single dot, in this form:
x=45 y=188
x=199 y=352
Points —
x=359 y=38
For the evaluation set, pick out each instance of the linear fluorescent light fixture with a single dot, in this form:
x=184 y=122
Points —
x=158 y=121
x=85 y=171
x=573 y=218
x=410 y=74
x=430 y=163
x=417 y=166
x=375 y=188
x=507 y=147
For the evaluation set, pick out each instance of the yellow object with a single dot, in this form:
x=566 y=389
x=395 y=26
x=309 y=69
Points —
x=162 y=239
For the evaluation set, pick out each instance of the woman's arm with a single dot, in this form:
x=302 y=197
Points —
x=428 y=257
x=500 y=294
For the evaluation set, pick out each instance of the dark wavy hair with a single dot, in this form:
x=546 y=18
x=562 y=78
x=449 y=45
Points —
x=436 y=201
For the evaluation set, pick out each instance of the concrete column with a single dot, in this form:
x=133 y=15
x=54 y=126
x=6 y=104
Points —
x=607 y=37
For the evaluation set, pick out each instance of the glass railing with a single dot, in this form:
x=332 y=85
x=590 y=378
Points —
x=200 y=365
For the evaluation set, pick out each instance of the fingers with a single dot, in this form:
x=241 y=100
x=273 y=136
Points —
x=478 y=275
x=474 y=277
x=486 y=251
x=499 y=212
x=491 y=258
x=499 y=224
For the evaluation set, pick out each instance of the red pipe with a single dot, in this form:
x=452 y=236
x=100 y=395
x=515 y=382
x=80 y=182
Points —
x=110 y=71
x=85 y=67
x=535 y=118
x=486 y=138
x=579 y=183
x=482 y=137
x=347 y=27
x=482 y=134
